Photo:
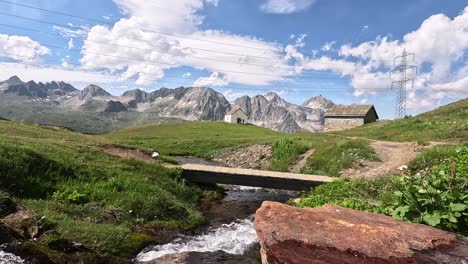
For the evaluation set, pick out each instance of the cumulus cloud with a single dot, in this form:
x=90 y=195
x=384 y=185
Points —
x=285 y=6
x=21 y=48
x=47 y=74
x=210 y=50
x=439 y=42
x=328 y=46
x=215 y=79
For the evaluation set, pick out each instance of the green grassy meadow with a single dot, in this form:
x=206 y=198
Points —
x=205 y=139
x=87 y=195
x=446 y=123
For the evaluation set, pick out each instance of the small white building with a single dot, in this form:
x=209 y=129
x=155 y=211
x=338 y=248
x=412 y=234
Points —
x=236 y=116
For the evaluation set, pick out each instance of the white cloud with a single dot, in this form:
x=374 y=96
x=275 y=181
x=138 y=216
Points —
x=158 y=52
x=215 y=79
x=233 y=95
x=106 y=17
x=439 y=42
x=21 y=48
x=72 y=31
x=365 y=28
x=47 y=74
x=71 y=45
x=285 y=6
x=328 y=46
x=187 y=74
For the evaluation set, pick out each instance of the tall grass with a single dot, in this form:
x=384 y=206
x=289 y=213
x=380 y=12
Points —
x=337 y=155
x=284 y=153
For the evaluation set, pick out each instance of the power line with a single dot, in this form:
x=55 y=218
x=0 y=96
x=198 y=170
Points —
x=112 y=24
x=226 y=87
x=147 y=30
x=291 y=68
x=153 y=43
x=172 y=64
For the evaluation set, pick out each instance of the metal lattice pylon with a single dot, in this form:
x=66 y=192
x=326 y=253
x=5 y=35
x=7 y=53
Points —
x=402 y=68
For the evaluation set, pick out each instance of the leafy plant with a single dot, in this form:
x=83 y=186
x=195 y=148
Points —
x=437 y=197
x=70 y=196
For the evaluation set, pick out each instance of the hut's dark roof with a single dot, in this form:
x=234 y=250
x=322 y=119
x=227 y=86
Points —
x=350 y=111
x=234 y=110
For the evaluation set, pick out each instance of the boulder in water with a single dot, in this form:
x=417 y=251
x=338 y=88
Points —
x=333 y=234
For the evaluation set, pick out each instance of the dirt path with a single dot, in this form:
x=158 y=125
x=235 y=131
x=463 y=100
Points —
x=296 y=168
x=128 y=153
x=393 y=156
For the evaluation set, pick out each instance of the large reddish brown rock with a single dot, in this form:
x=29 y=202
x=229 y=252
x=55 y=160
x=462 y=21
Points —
x=333 y=234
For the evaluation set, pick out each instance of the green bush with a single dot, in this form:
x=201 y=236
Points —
x=437 y=197
x=366 y=195
x=284 y=153
x=435 y=194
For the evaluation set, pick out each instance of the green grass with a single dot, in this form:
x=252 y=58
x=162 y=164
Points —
x=88 y=195
x=285 y=152
x=96 y=199
x=447 y=123
x=337 y=155
x=201 y=139
x=205 y=139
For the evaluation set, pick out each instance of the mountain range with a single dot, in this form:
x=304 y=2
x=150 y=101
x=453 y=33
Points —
x=94 y=110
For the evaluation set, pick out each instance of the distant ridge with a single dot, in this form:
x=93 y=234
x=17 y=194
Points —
x=95 y=110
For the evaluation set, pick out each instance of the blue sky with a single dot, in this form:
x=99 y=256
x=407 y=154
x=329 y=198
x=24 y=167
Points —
x=299 y=48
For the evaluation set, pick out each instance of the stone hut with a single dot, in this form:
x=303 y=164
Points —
x=236 y=115
x=341 y=117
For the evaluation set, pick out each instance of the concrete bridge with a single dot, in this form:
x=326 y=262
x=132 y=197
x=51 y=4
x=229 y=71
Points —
x=247 y=177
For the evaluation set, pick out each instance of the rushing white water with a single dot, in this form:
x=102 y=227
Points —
x=233 y=238
x=8 y=258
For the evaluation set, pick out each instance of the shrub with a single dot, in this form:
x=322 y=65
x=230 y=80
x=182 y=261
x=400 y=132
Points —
x=435 y=194
x=366 y=195
x=437 y=197
x=284 y=152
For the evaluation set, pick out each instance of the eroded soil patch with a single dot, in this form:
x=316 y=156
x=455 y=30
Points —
x=256 y=156
x=394 y=156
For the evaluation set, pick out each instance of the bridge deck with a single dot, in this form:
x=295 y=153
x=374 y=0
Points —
x=248 y=177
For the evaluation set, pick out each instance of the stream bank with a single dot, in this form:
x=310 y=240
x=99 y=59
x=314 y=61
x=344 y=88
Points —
x=228 y=236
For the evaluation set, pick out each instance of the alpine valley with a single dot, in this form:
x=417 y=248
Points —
x=93 y=110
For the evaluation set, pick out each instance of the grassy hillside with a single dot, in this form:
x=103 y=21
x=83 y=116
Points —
x=193 y=138
x=204 y=139
x=85 y=122
x=87 y=195
x=446 y=123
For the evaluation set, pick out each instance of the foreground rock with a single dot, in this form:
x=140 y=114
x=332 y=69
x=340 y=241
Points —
x=332 y=234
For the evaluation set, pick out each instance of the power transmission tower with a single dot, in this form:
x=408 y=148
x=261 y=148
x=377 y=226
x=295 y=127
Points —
x=402 y=68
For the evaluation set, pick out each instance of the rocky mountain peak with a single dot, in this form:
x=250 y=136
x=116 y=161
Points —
x=114 y=107
x=275 y=99
x=136 y=96
x=13 y=80
x=92 y=91
x=319 y=102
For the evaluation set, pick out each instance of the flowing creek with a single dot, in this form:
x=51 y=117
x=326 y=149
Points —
x=8 y=258
x=229 y=226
